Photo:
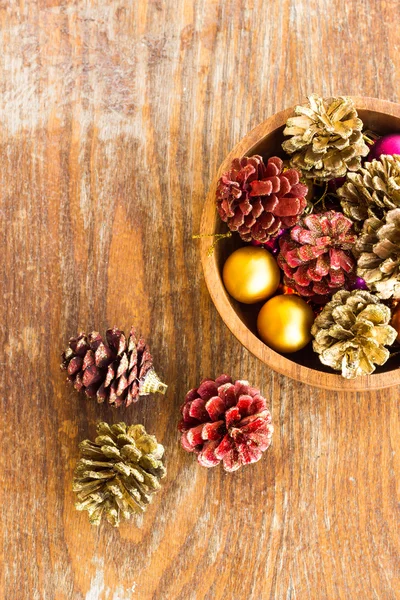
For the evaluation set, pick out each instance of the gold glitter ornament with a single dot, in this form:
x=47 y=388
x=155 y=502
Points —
x=251 y=274
x=284 y=323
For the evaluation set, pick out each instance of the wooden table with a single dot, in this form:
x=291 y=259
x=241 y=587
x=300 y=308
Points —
x=114 y=116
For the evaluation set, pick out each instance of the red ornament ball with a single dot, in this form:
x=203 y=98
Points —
x=388 y=144
x=225 y=421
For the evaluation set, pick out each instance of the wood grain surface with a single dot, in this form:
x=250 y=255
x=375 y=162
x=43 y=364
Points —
x=114 y=117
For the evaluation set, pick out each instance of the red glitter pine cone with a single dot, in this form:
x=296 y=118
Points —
x=257 y=199
x=117 y=370
x=225 y=421
x=316 y=257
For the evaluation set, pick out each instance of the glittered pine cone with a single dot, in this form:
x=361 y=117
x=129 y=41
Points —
x=326 y=139
x=225 y=421
x=378 y=252
x=257 y=200
x=117 y=371
x=118 y=473
x=351 y=333
x=373 y=191
x=316 y=257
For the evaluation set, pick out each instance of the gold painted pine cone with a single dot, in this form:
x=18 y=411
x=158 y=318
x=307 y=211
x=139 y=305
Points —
x=326 y=138
x=351 y=333
x=118 y=473
x=373 y=191
x=378 y=252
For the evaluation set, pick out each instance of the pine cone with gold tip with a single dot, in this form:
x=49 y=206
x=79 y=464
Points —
x=225 y=421
x=118 y=473
x=351 y=333
x=373 y=191
x=326 y=139
x=316 y=255
x=378 y=252
x=117 y=371
x=257 y=199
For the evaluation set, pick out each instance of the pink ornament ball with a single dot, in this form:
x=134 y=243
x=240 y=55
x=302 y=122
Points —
x=388 y=144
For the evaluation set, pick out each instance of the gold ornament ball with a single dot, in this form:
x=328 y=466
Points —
x=395 y=321
x=284 y=323
x=251 y=274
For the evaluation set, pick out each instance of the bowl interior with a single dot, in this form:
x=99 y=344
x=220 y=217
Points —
x=267 y=146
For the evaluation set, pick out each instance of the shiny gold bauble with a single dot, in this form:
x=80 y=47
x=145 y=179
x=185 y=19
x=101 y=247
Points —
x=251 y=274
x=284 y=323
x=395 y=321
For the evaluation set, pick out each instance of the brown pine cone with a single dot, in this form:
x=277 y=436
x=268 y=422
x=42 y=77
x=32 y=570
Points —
x=257 y=200
x=118 y=371
x=326 y=139
x=316 y=255
x=225 y=421
x=378 y=252
x=373 y=191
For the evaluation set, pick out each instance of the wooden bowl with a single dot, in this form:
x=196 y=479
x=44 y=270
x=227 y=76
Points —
x=377 y=115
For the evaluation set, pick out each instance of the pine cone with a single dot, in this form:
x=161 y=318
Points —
x=351 y=332
x=119 y=371
x=225 y=421
x=378 y=252
x=257 y=200
x=373 y=191
x=326 y=138
x=118 y=472
x=316 y=255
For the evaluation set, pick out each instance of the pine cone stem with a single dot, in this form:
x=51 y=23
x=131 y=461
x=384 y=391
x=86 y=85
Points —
x=151 y=384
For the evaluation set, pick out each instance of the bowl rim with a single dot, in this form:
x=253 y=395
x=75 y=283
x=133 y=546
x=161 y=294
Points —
x=282 y=364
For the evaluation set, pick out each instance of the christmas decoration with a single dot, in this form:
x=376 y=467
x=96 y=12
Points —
x=118 y=472
x=316 y=256
x=351 y=333
x=225 y=421
x=251 y=274
x=284 y=323
x=395 y=321
x=338 y=233
x=326 y=139
x=257 y=199
x=273 y=244
x=118 y=370
x=378 y=252
x=388 y=144
x=358 y=284
x=372 y=191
